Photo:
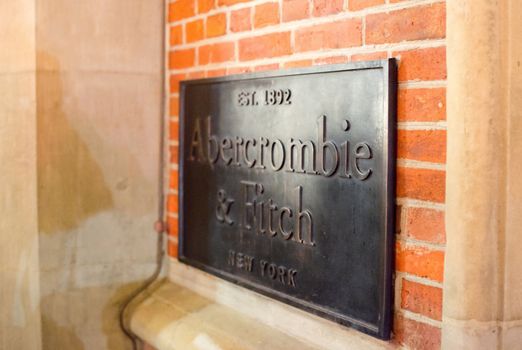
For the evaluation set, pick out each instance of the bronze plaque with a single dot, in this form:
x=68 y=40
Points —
x=287 y=186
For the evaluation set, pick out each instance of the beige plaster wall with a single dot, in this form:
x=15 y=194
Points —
x=512 y=305
x=19 y=307
x=99 y=106
x=483 y=275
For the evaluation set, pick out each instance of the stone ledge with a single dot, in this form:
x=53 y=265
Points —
x=195 y=310
x=173 y=317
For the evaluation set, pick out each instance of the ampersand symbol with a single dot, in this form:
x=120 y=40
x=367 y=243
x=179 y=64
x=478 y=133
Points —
x=223 y=207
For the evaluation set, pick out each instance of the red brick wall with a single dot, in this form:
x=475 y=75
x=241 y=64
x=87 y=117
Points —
x=218 y=37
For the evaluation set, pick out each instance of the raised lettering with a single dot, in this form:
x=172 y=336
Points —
x=249 y=209
x=237 y=150
x=281 y=272
x=250 y=163
x=212 y=142
x=325 y=148
x=260 y=157
x=301 y=215
x=286 y=234
x=223 y=207
x=299 y=149
x=291 y=277
x=272 y=271
x=249 y=263
x=362 y=151
x=263 y=264
x=271 y=209
x=226 y=144
x=282 y=155
x=196 y=146
x=231 y=257
x=239 y=260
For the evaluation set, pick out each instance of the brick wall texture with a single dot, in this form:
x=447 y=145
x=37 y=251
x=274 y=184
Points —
x=208 y=38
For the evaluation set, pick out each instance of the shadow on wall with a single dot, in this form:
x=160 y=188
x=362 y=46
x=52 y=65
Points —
x=100 y=304
x=68 y=339
x=71 y=186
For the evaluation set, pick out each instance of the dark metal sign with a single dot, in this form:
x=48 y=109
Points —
x=287 y=186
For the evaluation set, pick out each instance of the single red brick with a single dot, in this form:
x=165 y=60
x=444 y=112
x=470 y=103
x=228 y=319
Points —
x=195 y=30
x=416 y=335
x=205 y=5
x=174 y=107
x=173 y=180
x=327 y=7
x=416 y=23
x=181 y=9
x=422 y=299
x=172 y=203
x=172 y=249
x=173 y=130
x=266 y=14
x=422 y=145
x=425 y=225
x=294 y=10
x=422 y=64
x=216 y=53
x=216 y=25
x=331 y=60
x=181 y=58
x=269 y=45
x=230 y=2
x=420 y=261
x=296 y=64
x=216 y=73
x=172 y=226
x=369 y=56
x=240 y=20
x=345 y=33
x=174 y=154
x=422 y=184
x=355 y=5
x=176 y=35
x=421 y=104
x=265 y=67
x=174 y=82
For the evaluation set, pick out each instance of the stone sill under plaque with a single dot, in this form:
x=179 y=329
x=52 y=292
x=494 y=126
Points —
x=194 y=310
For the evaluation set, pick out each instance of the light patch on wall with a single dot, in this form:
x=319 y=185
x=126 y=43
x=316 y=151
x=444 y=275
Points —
x=86 y=257
x=26 y=292
x=204 y=342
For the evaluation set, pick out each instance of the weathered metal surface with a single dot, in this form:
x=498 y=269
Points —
x=287 y=186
